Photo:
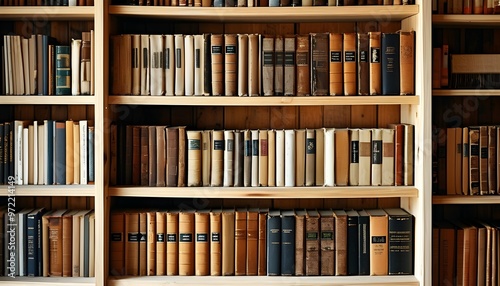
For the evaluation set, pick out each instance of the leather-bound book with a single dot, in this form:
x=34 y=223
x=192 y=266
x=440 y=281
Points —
x=189 y=65
x=247 y=158
x=145 y=65
x=172 y=156
x=144 y=157
x=400 y=240
x=228 y=179
x=206 y=159
x=262 y=248
x=312 y=243
x=217 y=44
x=217 y=158
x=181 y=179
x=300 y=157
x=483 y=160
x=131 y=243
x=377 y=157
x=242 y=64
x=327 y=243
x=268 y=65
x=67 y=231
x=252 y=241
x=390 y=64
x=319 y=63
x=231 y=64
x=169 y=65
x=63 y=71
x=352 y=242
x=336 y=64
x=172 y=266
x=350 y=66
x=55 y=230
x=238 y=158
x=278 y=65
x=302 y=62
x=388 y=156
x=341 y=157
x=375 y=69
x=194 y=158
x=289 y=65
x=254 y=64
x=363 y=66
x=287 y=243
x=228 y=227
x=152 y=155
x=263 y=158
x=274 y=243
x=364 y=157
x=136 y=155
x=240 y=242
x=300 y=234
x=160 y=240
x=474 y=152
x=150 y=243
x=186 y=243
x=354 y=157
x=398 y=153
x=340 y=242
x=407 y=61
x=215 y=243
x=160 y=155
x=310 y=157
x=379 y=254
x=202 y=242
x=117 y=243
x=492 y=161
x=143 y=255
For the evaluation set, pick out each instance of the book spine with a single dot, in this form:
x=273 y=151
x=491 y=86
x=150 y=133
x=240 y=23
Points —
x=156 y=56
x=327 y=244
x=215 y=244
x=278 y=65
x=172 y=156
x=387 y=157
x=289 y=66
x=363 y=65
x=474 y=161
x=300 y=157
x=179 y=62
x=268 y=65
x=91 y=155
x=217 y=42
x=302 y=65
x=189 y=65
x=255 y=158
x=271 y=158
x=242 y=64
x=378 y=245
x=206 y=143
x=310 y=155
x=202 y=245
x=263 y=158
x=63 y=70
x=312 y=245
x=390 y=64
x=207 y=67
x=172 y=244
x=375 y=63
x=238 y=158
x=228 y=179
x=160 y=238
x=228 y=232
x=231 y=64
x=290 y=158
x=254 y=67
x=274 y=244
x=400 y=246
x=262 y=248
x=85 y=72
x=341 y=157
x=194 y=158
x=247 y=158
x=350 y=66
x=144 y=157
x=240 y=243
x=217 y=158
x=407 y=62
x=252 y=242
x=169 y=65
x=483 y=160
x=152 y=163
x=341 y=243
x=60 y=153
x=299 y=245
x=353 y=248
x=319 y=64
x=280 y=158
x=287 y=245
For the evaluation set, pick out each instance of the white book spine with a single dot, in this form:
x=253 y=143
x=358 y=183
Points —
x=330 y=157
x=25 y=157
x=18 y=158
x=289 y=158
x=189 y=65
x=26 y=65
x=75 y=66
x=280 y=158
x=255 y=158
x=199 y=64
x=179 y=64
x=228 y=158
x=83 y=152
x=46 y=152
x=145 y=65
x=169 y=65
x=72 y=3
x=35 y=153
x=387 y=157
x=365 y=138
x=41 y=155
x=156 y=56
x=271 y=158
x=20 y=244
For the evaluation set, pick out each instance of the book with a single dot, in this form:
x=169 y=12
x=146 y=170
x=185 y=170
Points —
x=63 y=70
x=341 y=242
x=354 y=157
x=387 y=157
x=350 y=64
x=483 y=160
x=55 y=230
x=320 y=157
x=172 y=244
x=152 y=162
x=300 y=231
x=247 y=158
x=202 y=243
x=161 y=145
x=274 y=243
x=341 y=157
x=157 y=69
x=215 y=242
x=336 y=64
x=262 y=248
x=377 y=153
x=378 y=242
x=172 y=169
x=289 y=65
x=85 y=70
x=254 y=64
x=179 y=63
x=407 y=62
x=408 y=155
x=302 y=65
x=287 y=242
x=217 y=156
x=457 y=153
x=199 y=64
x=398 y=153
x=228 y=177
x=169 y=64
x=255 y=158
x=363 y=64
x=143 y=250
x=268 y=59
x=60 y=153
x=473 y=161
x=217 y=58
x=329 y=169
x=436 y=67
x=465 y=161
x=327 y=243
x=365 y=157
x=352 y=245
x=240 y=242
x=67 y=237
x=252 y=241
x=194 y=159
x=186 y=243
x=231 y=64
x=144 y=156
x=206 y=159
x=390 y=43
x=400 y=242
x=300 y=157
x=75 y=68
x=189 y=65
x=145 y=65
x=160 y=240
x=228 y=232
x=271 y=158
x=117 y=243
x=312 y=250
x=34 y=240
x=290 y=158
x=243 y=68
x=319 y=63
x=150 y=237
x=263 y=158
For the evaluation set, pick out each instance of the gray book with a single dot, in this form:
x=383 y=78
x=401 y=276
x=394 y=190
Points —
x=86 y=244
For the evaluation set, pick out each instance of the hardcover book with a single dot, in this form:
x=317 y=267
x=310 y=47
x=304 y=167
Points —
x=302 y=65
x=363 y=64
x=327 y=243
x=400 y=242
x=287 y=243
x=312 y=243
x=319 y=63
x=274 y=243
x=390 y=64
x=336 y=64
x=375 y=63
x=350 y=66
x=379 y=254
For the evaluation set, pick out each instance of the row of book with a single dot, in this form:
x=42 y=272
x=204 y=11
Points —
x=260 y=3
x=465 y=252
x=317 y=64
x=227 y=242
x=465 y=7
x=37 y=66
x=47 y=2
x=57 y=243
x=171 y=156
x=48 y=153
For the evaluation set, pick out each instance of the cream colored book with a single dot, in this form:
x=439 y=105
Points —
x=255 y=158
x=206 y=161
x=320 y=157
x=69 y=152
x=329 y=171
x=179 y=64
x=354 y=157
x=26 y=66
x=169 y=65
x=217 y=158
x=32 y=64
x=145 y=66
x=188 y=65
x=300 y=157
x=194 y=158
x=31 y=155
x=290 y=158
x=157 y=70
x=41 y=156
x=25 y=157
x=376 y=157
x=254 y=64
x=268 y=65
x=76 y=153
x=263 y=158
x=388 y=157
x=75 y=66
x=310 y=157
x=199 y=64
x=83 y=152
x=271 y=158
x=365 y=139
x=136 y=64
x=228 y=158
x=280 y=158
x=242 y=64
x=408 y=155
x=92 y=245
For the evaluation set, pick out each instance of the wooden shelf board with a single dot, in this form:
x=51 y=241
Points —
x=464 y=200
x=271 y=14
x=460 y=20
x=47 y=100
x=466 y=92
x=263 y=100
x=48 y=281
x=265 y=192
x=49 y=190
x=44 y=13
x=266 y=280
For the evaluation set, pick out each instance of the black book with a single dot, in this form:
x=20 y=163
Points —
x=400 y=242
x=1 y=153
x=60 y=153
x=288 y=243
x=207 y=69
x=390 y=64
x=364 y=243
x=352 y=246
x=34 y=242
x=273 y=243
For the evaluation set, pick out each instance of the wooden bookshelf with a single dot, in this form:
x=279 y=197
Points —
x=47 y=100
x=44 y=13
x=466 y=92
x=50 y=190
x=468 y=20
x=465 y=200
x=47 y=281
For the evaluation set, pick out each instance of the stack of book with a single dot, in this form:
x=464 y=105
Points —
x=318 y=64
x=37 y=242
x=259 y=3
x=47 y=3
x=49 y=153
x=173 y=157
x=261 y=242
x=465 y=7
x=38 y=66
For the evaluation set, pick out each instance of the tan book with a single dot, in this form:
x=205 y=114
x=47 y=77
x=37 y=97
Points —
x=280 y=158
x=228 y=241
x=327 y=243
x=179 y=61
x=243 y=67
x=407 y=62
x=252 y=240
x=26 y=68
x=263 y=158
x=271 y=158
x=189 y=64
x=320 y=157
x=278 y=65
x=143 y=247
x=365 y=138
x=310 y=157
x=340 y=242
x=206 y=158
x=132 y=243
x=231 y=64
x=302 y=65
x=172 y=266
x=161 y=162
x=33 y=64
x=376 y=156
x=254 y=67
x=186 y=243
x=300 y=239
x=290 y=158
x=312 y=243
x=262 y=248
x=329 y=169
x=145 y=65
x=215 y=243
x=289 y=65
x=378 y=242
x=217 y=156
x=255 y=158
x=136 y=64
x=465 y=161
x=67 y=239
x=341 y=157
x=169 y=65
x=408 y=155
x=69 y=153
x=375 y=63
x=202 y=244
x=350 y=66
x=116 y=245
x=387 y=157
x=194 y=160
x=240 y=242
x=217 y=43
x=228 y=179
x=268 y=65
x=55 y=227
x=151 y=243
x=181 y=179
x=161 y=229
x=354 y=157
x=156 y=56
x=492 y=160
x=300 y=157
x=75 y=67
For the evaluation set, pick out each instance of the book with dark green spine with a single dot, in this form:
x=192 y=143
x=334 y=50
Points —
x=63 y=70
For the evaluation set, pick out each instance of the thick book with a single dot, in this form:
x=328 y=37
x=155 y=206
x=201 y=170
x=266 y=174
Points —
x=144 y=156
x=465 y=160
x=152 y=163
x=457 y=169
x=252 y=241
x=75 y=67
x=379 y=254
x=268 y=65
x=310 y=157
x=271 y=158
x=398 y=153
x=274 y=243
x=172 y=243
x=409 y=155
x=189 y=65
x=290 y=158
x=302 y=65
x=199 y=64
x=400 y=241
x=255 y=158
x=186 y=243
x=159 y=239
x=254 y=64
x=262 y=248
x=55 y=229
x=390 y=43
x=407 y=62
x=319 y=63
x=240 y=242
x=169 y=64
x=354 y=157
x=172 y=169
x=143 y=254
x=202 y=243
x=312 y=237
x=327 y=243
x=320 y=157
x=217 y=157
x=263 y=158
x=447 y=252
x=287 y=262
x=60 y=153
x=243 y=68
x=377 y=156
x=363 y=243
x=300 y=234
x=145 y=65
x=336 y=64
x=194 y=158
x=289 y=65
x=363 y=64
x=300 y=157
x=352 y=245
x=34 y=241
x=228 y=227
x=341 y=157
x=375 y=67
x=179 y=63
x=228 y=177
x=67 y=236
x=150 y=243
x=216 y=242
x=474 y=161
x=217 y=58
x=231 y=64
x=161 y=157
x=247 y=158
x=85 y=62
x=387 y=157
x=117 y=243
x=341 y=242
x=492 y=160
x=280 y=158
x=483 y=160
x=350 y=66
x=69 y=152
x=365 y=157
x=278 y=65
x=156 y=56
x=63 y=70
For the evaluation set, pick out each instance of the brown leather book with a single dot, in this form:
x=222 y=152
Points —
x=240 y=242
x=336 y=64
x=363 y=66
x=310 y=150
x=341 y=157
x=51 y=69
x=217 y=158
x=262 y=255
x=375 y=63
x=159 y=239
x=379 y=255
x=215 y=242
x=202 y=244
x=300 y=234
x=312 y=243
x=340 y=242
x=228 y=241
x=67 y=231
x=327 y=243
x=144 y=158
x=181 y=179
x=407 y=61
x=194 y=158
x=398 y=153
x=117 y=244
x=152 y=155
x=217 y=44
x=136 y=65
x=319 y=63
x=136 y=155
x=350 y=66
x=150 y=243
x=450 y=160
x=278 y=65
x=254 y=67
x=186 y=243
x=302 y=62
x=263 y=162
x=172 y=218
x=483 y=160
x=231 y=64
x=289 y=65
x=161 y=143
x=300 y=157
x=242 y=64
x=252 y=240
x=492 y=160
x=69 y=153
x=172 y=156
x=268 y=65
x=143 y=254
x=132 y=243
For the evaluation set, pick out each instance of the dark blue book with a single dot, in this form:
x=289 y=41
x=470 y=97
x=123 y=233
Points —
x=287 y=243
x=48 y=146
x=35 y=242
x=390 y=64
x=60 y=153
x=400 y=242
x=63 y=70
x=90 y=160
x=364 y=243
x=22 y=247
x=274 y=243
x=1 y=153
x=352 y=245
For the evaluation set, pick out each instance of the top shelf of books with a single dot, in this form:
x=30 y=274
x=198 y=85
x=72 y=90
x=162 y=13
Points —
x=468 y=19
x=41 y=13
x=272 y=14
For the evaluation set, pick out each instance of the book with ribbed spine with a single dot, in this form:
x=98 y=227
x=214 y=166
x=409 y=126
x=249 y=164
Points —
x=215 y=242
x=228 y=179
x=354 y=157
x=268 y=59
x=327 y=242
x=363 y=64
x=194 y=158
x=217 y=43
x=217 y=156
x=375 y=63
x=302 y=65
x=63 y=70
x=274 y=243
x=312 y=237
x=231 y=64
x=319 y=63
x=240 y=241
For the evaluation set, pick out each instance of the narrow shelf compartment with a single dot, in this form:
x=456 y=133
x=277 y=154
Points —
x=272 y=14
x=466 y=92
x=49 y=190
x=44 y=13
x=461 y=20
x=48 y=281
x=465 y=200
x=267 y=280
x=47 y=100
x=265 y=192
x=263 y=100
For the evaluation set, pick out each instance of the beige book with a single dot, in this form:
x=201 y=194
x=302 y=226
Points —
x=238 y=158
x=32 y=64
x=69 y=153
x=278 y=65
x=145 y=66
x=186 y=243
x=132 y=236
x=157 y=70
x=268 y=65
x=76 y=153
x=169 y=65
x=255 y=158
x=336 y=66
x=300 y=157
x=136 y=64
x=341 y=157
x=202 y=242
x=254 y=68
x=228 y=179
x=199 y=64
x=320 y=157
x=75 y=66
x=26 y=65
x=408 y=154
x=375 y=63
x=354 y=157
x=77 y=245
x=263 y=158
x=290 y=158
x=215 y=242
x=189 y=65
x=377 y=157
x=387 y=157
x=159 y=239
x=280 y=158
x=340 y=242
x=179 y=64
x=230 y=64
x=365 y=139
x=458 y=161
x=243 y=67
x=217 y=158
x=247 y=158
x=206 y=161
x=172 y=243
x=271 y=158
x=289 y=65
x=9 y=66
x=228 y=242
x=310 y=157
x=194 y=158
x=217 y=44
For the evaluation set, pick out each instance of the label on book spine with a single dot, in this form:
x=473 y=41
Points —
x=350 y=56
x=355 y=152
x=160 y=237
x=185 y=237
x=218 y=144
x=116 y=237
x=377 y=151
x=335 y=56
x=215 y=237
x=201 y=237
x=255 y=147
x=193 y=144
x=302 y=58
x=134 y=237
x=375 y=55
x=171 y=237
x=311 y=146
x=311 y=236
x=216 y=49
